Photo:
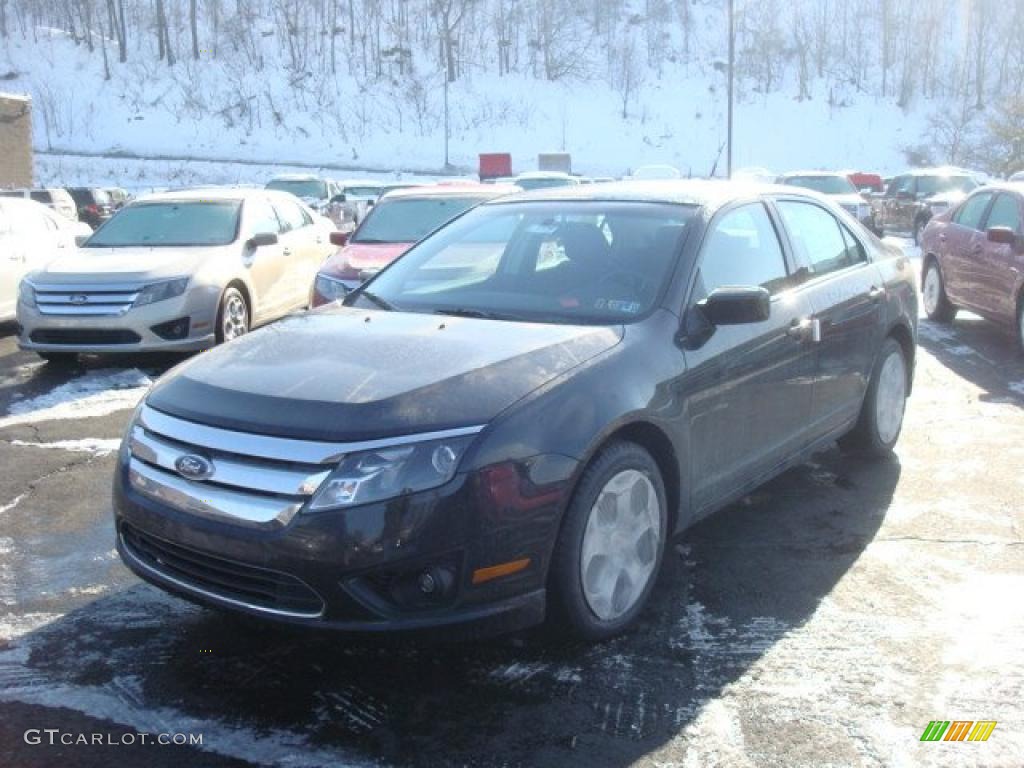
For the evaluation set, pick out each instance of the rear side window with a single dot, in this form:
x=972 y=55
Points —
x=742 y=248
x=291 y=215
x=261 y=216
x=1005 y=213
x=969 y=214
x=40 y=196
x=817 y=239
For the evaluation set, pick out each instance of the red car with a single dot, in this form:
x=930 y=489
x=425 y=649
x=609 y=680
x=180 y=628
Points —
x=393 y=226
x=974 y=258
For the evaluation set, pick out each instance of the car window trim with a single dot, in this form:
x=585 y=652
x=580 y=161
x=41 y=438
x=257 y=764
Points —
x=816 y=278
x=996 y=194
x=984 y=213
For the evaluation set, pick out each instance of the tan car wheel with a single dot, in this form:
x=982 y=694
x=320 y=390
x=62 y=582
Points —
x=233 y=317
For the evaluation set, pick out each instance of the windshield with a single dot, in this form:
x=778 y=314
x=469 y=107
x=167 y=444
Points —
x=543 y=183
x=182 y=223
x=300 y=187
x=363 y=191
x=554 y=261
x=827 y=185
x=934 y=185
x=406 y=221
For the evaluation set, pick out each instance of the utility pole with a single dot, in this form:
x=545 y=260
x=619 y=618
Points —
x=732 y=58
x=446 y=163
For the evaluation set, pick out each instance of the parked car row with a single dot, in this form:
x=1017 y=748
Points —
x=92 y=205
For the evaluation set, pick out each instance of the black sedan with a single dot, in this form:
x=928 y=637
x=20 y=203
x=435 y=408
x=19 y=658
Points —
x=513 y=419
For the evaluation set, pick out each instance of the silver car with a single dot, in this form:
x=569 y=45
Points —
x=176 y=271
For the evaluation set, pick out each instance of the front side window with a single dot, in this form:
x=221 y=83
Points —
x=1005 y=213
x=362 y=191
x=593 y=262
x=170 y=223
x=292 y=216
x=742 y=249
x=816 y=237
x=969 y=214
x=41 y=196
x=901 y=185
x=409 y=220
x=934 y=185
x=262 y=218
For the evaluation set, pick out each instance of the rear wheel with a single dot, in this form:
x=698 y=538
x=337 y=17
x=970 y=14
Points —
x=1020 y=324
x=881 y=415
x=918 y=229
x=610 y=548
x=936 y=304
x=233 y=316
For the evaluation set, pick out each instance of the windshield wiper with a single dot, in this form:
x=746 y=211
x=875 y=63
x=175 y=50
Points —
x=370 y=295
x=477 y=313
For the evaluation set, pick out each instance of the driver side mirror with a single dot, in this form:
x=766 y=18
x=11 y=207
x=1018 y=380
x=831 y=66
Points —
x=736 y=305
x=339 y=198
x=1001 y=235
x=262 y=239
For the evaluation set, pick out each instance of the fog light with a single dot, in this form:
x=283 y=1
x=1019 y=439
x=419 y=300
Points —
x=427 y=583
x=172 y=330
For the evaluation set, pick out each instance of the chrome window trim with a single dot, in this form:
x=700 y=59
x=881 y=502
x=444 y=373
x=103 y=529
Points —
x=232 y=470
x=211 y=501
x=189 y=587
x=278 y=448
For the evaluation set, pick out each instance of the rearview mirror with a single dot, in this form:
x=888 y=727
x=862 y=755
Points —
x=1001 y=235
x=339 y=198
x=262 y=239
x=736 y=305
x=339 y=238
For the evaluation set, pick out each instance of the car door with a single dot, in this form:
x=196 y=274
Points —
x=264 y=263
x=962 y=246
x=11 y=256
x=300 y=254
x=998 y=265
x=748 y=387
x=845 y=291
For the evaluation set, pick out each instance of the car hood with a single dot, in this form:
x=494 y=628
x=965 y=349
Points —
x=98 y=265
x=364 y=256
x=342 y=374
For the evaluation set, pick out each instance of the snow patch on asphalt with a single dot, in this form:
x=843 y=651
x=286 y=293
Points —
x=97 y=393
x=13 y=502
x=94 y=445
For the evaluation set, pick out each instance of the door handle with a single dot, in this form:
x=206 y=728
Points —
x=876 y=293
x=287 y=251
x=942 y=236
x=805 y=329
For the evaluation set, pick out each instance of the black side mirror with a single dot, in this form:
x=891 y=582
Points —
x=1001 y=235
x=262 y=239
x=736 y=305
x=339 y=198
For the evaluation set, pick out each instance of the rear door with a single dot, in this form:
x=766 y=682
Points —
x=997 y=265
x=301 y=253
x=749 y=387
x=264 y=264
x=963 y=247
x=845 y=292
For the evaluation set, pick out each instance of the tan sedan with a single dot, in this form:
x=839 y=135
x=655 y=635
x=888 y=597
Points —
x=176 y=271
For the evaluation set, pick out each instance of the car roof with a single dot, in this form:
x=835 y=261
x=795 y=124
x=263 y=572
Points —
x=462 y=191
x=297 y=177
x=237 y=194
x=23 y=203
x=711 y=193
x=791 y=174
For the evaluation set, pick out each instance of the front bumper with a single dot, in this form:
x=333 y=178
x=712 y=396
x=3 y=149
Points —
x=125 y=333
x=339 y=569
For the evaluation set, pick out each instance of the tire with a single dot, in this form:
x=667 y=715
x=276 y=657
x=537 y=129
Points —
x=233 y=316
x=59 y=358
x=581 y=602
x=881 y=418
x=1020 y=324
x=919 y=226
x=937 y=305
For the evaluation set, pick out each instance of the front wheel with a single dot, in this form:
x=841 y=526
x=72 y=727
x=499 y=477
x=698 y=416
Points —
x=881 y=415
x=936 y=304
x=233 y=316
x=919 y=226
x=610 y=548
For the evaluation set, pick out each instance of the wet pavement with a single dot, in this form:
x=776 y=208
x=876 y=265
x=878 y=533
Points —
x=824 y=620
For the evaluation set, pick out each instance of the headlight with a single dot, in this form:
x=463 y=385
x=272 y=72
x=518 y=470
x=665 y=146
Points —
x=329 y=288
x=161 y=291
x=26 y=293
x=390 y=472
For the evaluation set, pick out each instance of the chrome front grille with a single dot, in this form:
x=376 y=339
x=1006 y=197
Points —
x=253 y=480
x=86 y=300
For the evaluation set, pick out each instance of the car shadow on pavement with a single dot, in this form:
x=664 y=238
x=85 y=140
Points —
x=736 y=585
x=980 y=352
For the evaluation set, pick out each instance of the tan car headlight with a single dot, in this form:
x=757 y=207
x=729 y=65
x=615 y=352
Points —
x=155 y=292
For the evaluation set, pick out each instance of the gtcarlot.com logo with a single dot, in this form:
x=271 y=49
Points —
x=958 y=730
x=55 y=736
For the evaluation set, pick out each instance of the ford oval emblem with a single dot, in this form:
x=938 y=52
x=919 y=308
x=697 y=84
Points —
x=194 y=467
x=79 y=298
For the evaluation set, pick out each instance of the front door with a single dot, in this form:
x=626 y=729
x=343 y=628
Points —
x=748 y=387
x=963 y=247
x=997 y=263
x=264 y=263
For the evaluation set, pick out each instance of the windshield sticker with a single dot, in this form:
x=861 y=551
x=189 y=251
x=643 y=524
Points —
x=619 y=305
